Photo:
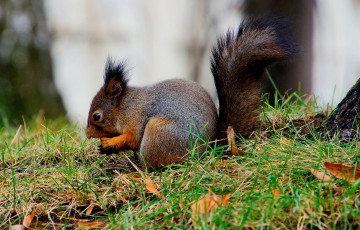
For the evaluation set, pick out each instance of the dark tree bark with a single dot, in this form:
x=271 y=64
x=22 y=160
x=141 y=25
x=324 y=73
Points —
x=345 y=118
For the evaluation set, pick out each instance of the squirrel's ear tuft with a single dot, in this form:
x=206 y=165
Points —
x=115 y=78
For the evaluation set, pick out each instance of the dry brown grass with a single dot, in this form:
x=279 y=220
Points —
x=57 y=171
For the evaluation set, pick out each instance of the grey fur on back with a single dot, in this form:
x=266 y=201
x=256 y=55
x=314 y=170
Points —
x=186 y=102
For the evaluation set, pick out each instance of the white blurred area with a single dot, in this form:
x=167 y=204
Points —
x=163 y=39
x=157 y=38
x=336 y=49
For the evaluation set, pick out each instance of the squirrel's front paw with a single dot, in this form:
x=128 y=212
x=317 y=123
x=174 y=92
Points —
x=108 y=142
x=107 y=146
x=107 y=150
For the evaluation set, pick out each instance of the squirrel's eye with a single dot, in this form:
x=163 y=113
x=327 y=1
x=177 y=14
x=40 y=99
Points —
x=96 y=116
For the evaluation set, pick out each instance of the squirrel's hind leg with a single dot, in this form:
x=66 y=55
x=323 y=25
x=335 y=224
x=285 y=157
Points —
x=163 y=143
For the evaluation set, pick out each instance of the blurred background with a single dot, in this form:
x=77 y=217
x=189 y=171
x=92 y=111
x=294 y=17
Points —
x=52 y=53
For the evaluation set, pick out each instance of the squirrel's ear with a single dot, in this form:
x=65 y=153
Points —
x=115 y=78
x=113 y=88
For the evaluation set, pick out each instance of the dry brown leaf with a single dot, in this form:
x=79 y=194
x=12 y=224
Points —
x=131 y=176
x=225 y=199
x=28 y=219
x=345 y=172
x=39 y=225
x=89 y=209
x=277 y=192
x=320 y=175
x=204 y=205
x=150 y=186
x=231 y=141
x=208 y=203
x=17 y=227
x=87 y=224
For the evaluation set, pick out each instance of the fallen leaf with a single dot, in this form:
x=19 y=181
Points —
x=17 y=227
x=225 y=199
x=89 y=209
x=345 y=172
x=231 y=141
x=131 y=176
x=150 y=186
x=208 y=203
x=87 y=224
x=320 y=175
x=28 y=219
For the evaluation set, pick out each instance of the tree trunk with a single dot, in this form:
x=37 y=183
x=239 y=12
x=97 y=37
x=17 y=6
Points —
x=344 y=119
x=26 y=83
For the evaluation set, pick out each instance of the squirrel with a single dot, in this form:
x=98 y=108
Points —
x=162 y=121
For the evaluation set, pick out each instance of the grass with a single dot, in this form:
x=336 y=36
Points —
x=52 y=167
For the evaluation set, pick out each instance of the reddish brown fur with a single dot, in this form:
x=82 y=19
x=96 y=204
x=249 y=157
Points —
x=124 y=141
x=109 y=86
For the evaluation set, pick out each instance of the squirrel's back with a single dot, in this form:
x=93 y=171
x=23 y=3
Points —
x=186 y=103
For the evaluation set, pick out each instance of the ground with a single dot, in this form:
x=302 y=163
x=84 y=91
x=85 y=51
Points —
x=49 y=169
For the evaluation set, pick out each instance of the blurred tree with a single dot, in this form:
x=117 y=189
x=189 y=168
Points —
x=300 y=13
x=26 y=82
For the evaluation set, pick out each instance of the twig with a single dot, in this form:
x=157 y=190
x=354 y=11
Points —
x=137 y=168
x=49 y=216
x=18 y=132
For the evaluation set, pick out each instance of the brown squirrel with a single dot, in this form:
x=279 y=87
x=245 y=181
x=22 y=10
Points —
x=162 y=121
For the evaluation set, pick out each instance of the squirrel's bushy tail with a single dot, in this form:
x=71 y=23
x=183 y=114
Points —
x=237 y=64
